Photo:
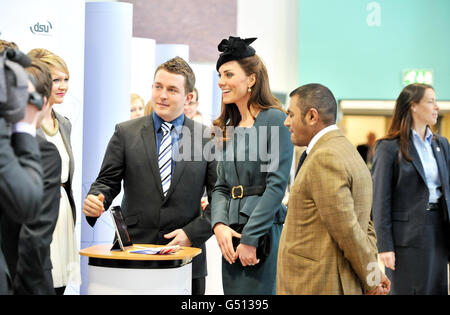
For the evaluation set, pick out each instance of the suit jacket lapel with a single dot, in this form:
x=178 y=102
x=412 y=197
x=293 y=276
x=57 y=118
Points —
x=149 y=139
x=323 y=139
x=65 y=135
x=441 y=163
x=416 y=160
x=319 y=143
x=64 y=130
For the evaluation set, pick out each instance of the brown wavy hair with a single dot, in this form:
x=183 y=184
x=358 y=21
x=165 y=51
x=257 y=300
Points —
x=261 y=97
x=402 y=120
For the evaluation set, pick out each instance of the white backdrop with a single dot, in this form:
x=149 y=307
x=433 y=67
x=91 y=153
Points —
x=142 y=66
x=59 y=27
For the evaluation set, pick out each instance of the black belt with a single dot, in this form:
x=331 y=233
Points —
x=239 y=192
x=433 y=206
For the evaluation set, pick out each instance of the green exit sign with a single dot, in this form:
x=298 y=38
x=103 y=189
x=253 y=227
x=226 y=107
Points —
x=417 y=76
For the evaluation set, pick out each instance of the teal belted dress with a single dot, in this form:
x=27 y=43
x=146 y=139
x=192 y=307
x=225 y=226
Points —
x=259 y=156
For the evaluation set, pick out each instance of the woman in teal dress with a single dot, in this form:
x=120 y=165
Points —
x=252 y=176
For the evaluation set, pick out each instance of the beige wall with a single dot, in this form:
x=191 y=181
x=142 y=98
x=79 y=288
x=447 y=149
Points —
x=445 y=126
x=356 y=127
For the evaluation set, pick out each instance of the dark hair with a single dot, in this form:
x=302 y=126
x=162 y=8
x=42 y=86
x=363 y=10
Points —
x=261 y=97
x=317 y=96
x=178 y=65
x=401 y=123
x=42 y=77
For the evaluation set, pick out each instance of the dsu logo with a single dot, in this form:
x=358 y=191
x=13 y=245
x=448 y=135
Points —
x=41 y=29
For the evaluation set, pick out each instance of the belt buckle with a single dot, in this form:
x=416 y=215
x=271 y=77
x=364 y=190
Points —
x=240 y=195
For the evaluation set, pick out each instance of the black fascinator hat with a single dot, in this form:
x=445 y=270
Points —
x=234 y=48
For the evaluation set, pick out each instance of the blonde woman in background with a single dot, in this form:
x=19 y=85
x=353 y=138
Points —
x=137 y=106
x=148 y=108
x=56 y=129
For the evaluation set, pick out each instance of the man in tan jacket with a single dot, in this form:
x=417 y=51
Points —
x=328 y=244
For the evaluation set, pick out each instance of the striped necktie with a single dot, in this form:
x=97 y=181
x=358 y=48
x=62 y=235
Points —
x=165 y=157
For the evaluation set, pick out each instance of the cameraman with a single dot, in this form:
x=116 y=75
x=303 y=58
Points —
x=27 y=246
x=21 y=183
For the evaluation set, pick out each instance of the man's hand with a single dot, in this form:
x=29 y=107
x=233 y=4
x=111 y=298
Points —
x=388 y=259
x=93 y=205
x=31 y=115
x=179 y=238
x=383 y=288
x=31 y=112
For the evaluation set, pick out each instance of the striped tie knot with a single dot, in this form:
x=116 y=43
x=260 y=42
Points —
x=166 y=127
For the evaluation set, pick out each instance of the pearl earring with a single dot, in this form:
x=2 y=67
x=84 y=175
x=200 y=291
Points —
x=249 y=90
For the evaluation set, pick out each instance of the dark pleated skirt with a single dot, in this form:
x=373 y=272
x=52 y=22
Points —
x=424 y=270
x=253 y=280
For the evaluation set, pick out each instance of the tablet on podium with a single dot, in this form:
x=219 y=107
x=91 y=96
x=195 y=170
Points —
x=123 y=240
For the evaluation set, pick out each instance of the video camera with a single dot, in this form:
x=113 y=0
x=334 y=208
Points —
x=14 y=95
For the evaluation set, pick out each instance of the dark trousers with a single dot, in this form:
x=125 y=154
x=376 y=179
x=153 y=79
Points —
x=198 y=286
x=60 y=291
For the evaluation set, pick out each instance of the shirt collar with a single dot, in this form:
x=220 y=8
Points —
x=177 y=122
x=319 y=135
x=428 y=135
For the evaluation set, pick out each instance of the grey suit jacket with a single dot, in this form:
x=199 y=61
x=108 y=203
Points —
x=27 y=246
x=131 y=156
x=401 y=194
x=21 y=186
x=65 y=128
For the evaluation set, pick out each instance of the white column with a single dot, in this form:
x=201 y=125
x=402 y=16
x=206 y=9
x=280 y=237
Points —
x=107 y=99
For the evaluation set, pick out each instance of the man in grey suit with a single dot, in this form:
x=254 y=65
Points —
x=21 y=183
x=162 y=192
x=27 y=246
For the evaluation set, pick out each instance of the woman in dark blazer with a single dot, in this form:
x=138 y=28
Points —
x=411 y=196
x=252 y=178
x=56 y=128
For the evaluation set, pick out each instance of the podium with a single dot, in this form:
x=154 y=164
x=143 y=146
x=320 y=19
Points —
x=125 y=273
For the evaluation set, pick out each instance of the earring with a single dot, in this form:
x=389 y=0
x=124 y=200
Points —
x=249 y=90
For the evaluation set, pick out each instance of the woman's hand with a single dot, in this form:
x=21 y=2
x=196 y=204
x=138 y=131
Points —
x=224 y=235
x=247 y=255
x=388 y=259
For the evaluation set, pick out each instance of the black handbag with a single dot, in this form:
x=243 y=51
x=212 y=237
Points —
x=264 y=243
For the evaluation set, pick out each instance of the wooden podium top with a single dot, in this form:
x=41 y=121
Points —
x=103 y=251
x=101 y=255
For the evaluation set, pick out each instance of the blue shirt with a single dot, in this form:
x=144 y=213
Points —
x=175 y=133
x=429 y=164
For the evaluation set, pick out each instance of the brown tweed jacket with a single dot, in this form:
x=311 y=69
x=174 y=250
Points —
x=328 y=243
